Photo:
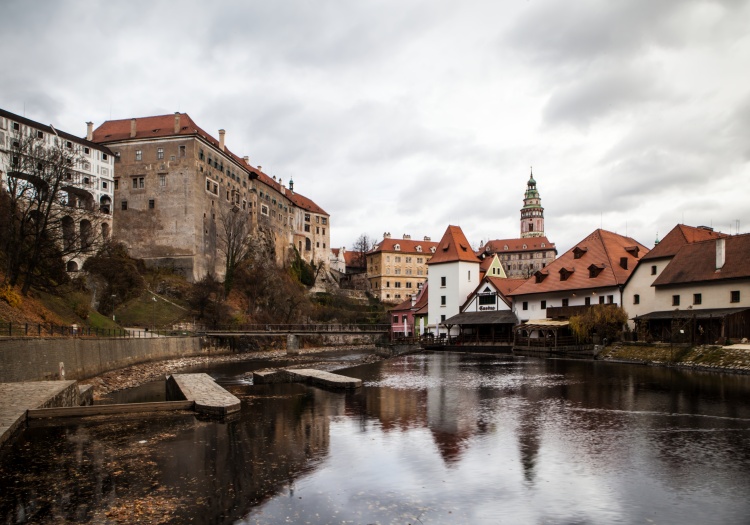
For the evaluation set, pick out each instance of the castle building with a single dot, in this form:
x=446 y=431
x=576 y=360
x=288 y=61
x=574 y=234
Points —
x=87 y=186
x=397 y=268
x=532 y=251
x=176 y=187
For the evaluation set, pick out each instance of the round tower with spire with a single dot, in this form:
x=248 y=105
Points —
x=532 y=213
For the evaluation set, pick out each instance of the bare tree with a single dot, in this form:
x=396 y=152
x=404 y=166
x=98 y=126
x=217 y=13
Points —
x=362 y=245
x=235 y=239
x=44 y=211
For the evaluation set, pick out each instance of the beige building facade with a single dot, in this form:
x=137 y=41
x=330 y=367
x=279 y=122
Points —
x=397 y=268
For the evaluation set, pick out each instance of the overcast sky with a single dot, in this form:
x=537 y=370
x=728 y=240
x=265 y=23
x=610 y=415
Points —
x=408 y=116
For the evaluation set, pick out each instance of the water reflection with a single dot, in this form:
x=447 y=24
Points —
x=434 y=438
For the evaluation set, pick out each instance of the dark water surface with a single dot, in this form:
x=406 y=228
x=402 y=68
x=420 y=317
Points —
x=433 y=438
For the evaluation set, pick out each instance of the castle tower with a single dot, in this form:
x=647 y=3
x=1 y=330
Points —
x=532 y=213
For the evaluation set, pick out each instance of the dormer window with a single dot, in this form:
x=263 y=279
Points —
x=397 y=247
x=543 y=245
x=632 y=250
x=579 y=252
x=595 y=269
x=540 y=276
x=524 y=246
x=505 y=247
x=487 y=248
x=624 y=263
x=432 y=249
x=419 y=249
x=565 y=273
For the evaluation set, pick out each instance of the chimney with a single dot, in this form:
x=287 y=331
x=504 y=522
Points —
x=246 y=159
x=176 y=122
x=721 y=254
x=132 y=128
x=427 y=238
x=413 y=299
x=260 y=168
x=222 y=133
x=89 y=130
x=407 y=236
x=386 y=235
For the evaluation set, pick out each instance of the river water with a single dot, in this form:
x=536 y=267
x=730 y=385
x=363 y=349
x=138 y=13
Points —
x=431 y=438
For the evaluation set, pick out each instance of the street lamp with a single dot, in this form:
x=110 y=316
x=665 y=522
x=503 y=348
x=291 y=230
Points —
x=153 y=314
x=113 y=306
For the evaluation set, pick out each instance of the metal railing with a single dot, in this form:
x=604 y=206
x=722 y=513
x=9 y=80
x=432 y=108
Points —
x=9 y=329
x=300 y=328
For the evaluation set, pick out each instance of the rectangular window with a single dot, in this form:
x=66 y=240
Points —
x=735 y=296
x=117 y=184
x=307 y=227
x=201 y=156
x=395 y=319
x=697 y=298
x=544 y=305
x=442 y=300
x=601 y=299
x=317 y=230
x=408 y=260
x=397 y=259
x=442 y=281
x=420 y=260
x=124 y=205
x=324 y=220
x=587 y=302
x=317 y=219
x=162 y=180
x=565 y=302
x=104 y=185
x=138 y=154
x=610 y=299
x=397 y=284
x=525 y=305
x=182 y=151
x=264 y=209
x=488 y=298
x=39 y=135
x=159 y=153
x=135 y=183
x=653 y=270
x=307 y=217
x=468 y=276
x=442 y=318
x=408 y=284
x=141 y=183
x=151 y=204
x=675 y=300
x=636 y=299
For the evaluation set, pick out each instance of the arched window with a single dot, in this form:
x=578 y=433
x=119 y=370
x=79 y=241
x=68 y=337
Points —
x=72 y=266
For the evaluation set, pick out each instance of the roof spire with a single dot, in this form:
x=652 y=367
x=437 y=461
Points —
x=657 y=239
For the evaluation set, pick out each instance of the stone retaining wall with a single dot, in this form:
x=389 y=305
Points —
x=44 y=359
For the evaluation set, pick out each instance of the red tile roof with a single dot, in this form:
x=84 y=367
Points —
x=306 y=204
x=406 y=246
x=453 y=247
x=163 y=126
x=678 y=237
x=517 y=245
x=505 y=286
x=157 y=127
x=602 y=249
x=696 y=262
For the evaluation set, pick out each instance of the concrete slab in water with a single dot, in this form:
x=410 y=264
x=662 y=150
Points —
x=326 y=379
x=17 y=398
x=209 y=397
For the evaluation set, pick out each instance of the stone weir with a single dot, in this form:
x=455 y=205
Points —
x=306 y=375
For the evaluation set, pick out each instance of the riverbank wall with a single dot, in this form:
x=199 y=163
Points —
x=732 y=359
x=24 y=359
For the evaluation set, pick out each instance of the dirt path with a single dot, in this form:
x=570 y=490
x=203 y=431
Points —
x=144 y=372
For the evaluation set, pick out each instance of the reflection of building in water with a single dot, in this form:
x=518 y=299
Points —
x=452 y=409
x=395 y=409
x=247 y=460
